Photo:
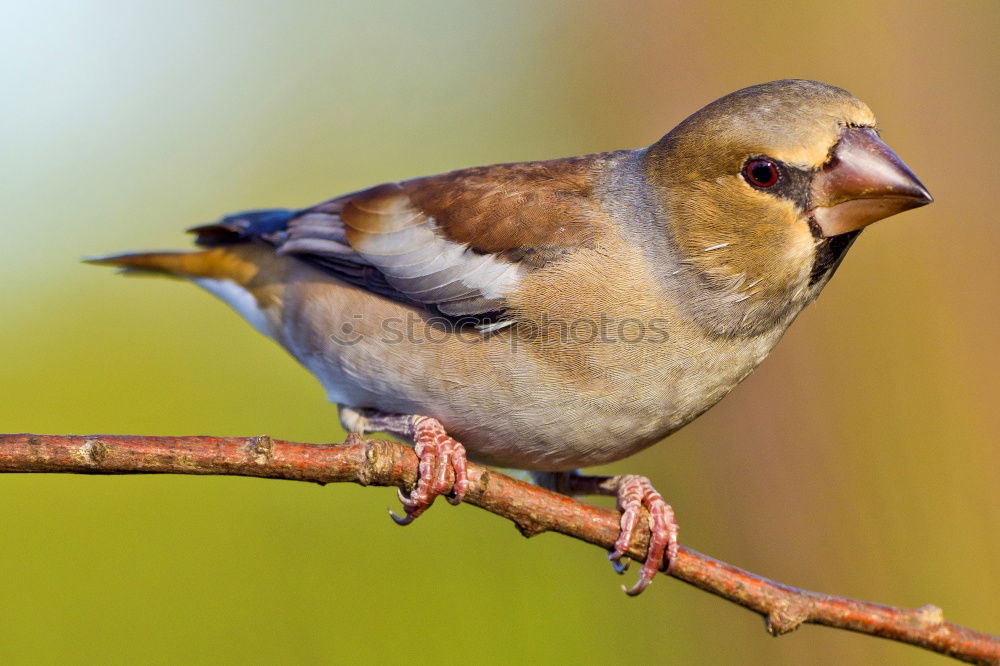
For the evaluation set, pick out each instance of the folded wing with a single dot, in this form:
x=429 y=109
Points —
x=457 y=242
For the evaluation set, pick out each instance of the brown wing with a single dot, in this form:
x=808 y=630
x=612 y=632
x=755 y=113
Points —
x=458 y=241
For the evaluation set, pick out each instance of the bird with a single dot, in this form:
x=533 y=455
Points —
x=553 y=315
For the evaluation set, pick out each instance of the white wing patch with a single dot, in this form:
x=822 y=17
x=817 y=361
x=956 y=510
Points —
x=420 y=263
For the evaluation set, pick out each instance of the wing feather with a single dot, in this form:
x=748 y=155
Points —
x=457 y=242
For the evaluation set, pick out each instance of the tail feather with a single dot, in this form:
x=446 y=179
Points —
x=235 y=263
x=249 y=277
x=162 y=263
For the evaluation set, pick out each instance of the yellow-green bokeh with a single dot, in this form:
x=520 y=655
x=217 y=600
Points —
x=861 y=459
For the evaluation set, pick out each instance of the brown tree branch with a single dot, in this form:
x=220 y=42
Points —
x=532 y=509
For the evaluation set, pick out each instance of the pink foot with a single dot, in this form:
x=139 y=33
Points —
x=437 y=452
x=635 y=492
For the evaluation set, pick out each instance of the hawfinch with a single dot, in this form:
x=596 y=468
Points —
x=553 y=315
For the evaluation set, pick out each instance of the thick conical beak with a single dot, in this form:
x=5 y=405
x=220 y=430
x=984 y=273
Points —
x=863 y=182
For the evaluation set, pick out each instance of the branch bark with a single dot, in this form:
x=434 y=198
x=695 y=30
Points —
x=532 y=509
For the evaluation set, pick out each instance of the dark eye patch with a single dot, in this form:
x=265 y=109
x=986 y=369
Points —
x=791 y=183
x=795 y=186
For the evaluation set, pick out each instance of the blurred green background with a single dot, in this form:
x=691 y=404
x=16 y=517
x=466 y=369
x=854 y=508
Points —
x=861 y=459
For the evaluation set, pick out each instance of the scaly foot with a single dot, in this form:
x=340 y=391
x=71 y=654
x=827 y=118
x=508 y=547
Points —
x=633 y=493
x=438 y=454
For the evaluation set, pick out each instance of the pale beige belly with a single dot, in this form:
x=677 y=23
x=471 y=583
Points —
x=514 y=402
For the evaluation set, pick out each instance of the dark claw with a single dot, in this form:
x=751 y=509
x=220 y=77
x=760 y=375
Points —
x=401 y=520
x=618 y=562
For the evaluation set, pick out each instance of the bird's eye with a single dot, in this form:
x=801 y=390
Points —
x=761 y=173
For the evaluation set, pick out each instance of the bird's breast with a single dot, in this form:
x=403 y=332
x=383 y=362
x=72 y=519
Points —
x=590 y=372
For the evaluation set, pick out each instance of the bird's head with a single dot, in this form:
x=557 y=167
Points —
x=765 y=189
